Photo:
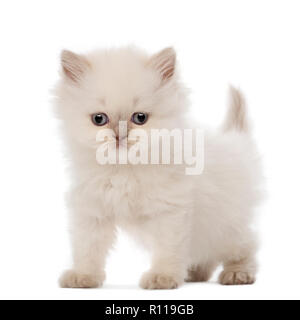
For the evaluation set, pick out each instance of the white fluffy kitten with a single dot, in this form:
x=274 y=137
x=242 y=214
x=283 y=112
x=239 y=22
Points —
x=190 y=224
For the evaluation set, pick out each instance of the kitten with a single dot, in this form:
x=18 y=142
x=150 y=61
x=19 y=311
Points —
x=190 y=224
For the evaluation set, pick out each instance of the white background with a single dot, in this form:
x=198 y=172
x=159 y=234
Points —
x=252 y=44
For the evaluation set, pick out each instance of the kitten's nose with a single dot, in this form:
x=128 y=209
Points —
x=118 y=138
x=120 y=141
x=120 y=130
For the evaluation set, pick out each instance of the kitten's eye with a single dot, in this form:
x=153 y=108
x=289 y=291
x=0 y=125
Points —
x=99 y=119
x=139 y=118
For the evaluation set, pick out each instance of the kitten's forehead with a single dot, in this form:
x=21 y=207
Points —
x=120 y=108
x=123 y=73
x=119 y=81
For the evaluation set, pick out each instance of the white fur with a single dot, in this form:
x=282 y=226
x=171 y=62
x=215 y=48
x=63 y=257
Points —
x=191 y=224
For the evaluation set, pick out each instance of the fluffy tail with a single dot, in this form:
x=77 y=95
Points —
x=236 y=118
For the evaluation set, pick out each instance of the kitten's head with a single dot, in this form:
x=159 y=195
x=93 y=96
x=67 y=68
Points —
x=100 y=89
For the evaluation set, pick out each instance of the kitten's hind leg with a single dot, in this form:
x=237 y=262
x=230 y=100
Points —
x=201 y=272
x=239 y=271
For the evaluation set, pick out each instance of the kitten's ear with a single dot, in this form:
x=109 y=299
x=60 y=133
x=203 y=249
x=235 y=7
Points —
x=164 y=62
x=74 y=66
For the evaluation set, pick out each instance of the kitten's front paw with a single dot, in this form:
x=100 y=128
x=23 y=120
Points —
x=236 y=278
x=73 y=279
x=151 y=281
